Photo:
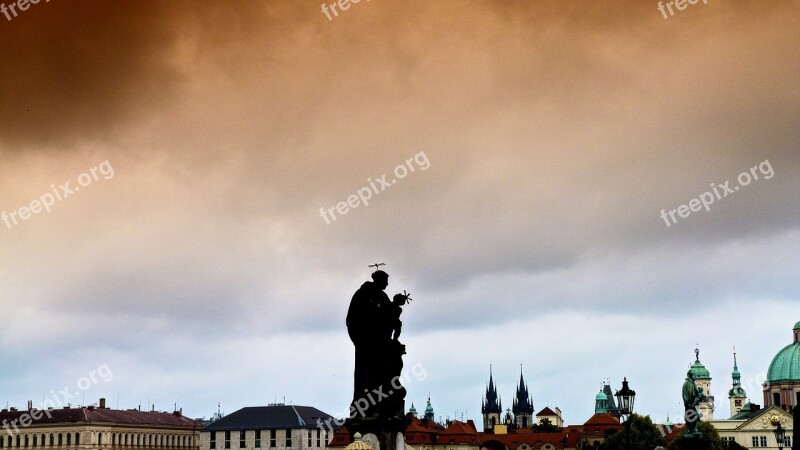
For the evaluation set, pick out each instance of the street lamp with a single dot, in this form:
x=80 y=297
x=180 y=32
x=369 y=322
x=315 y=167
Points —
x=625 y=398
x=780 y=433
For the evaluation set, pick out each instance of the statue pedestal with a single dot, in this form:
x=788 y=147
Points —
x=684 y=443
x=386 y=440
x=381 y=434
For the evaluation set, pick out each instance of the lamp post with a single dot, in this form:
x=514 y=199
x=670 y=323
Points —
x=780 y=433
x=625 y=398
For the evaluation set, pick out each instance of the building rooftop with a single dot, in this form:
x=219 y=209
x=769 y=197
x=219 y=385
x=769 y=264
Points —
x=268 y=417
x=546 y=411
x=91 y=414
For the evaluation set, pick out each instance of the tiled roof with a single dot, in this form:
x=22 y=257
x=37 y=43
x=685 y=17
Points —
x=534 y=440
x=341 y=438
x=104 y=416
x=602 y=419
x=459 y=433
x=269 y=417
x=546 y=411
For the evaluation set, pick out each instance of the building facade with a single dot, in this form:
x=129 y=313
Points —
x=273 y=427
x=95 y=428
x=754 y=427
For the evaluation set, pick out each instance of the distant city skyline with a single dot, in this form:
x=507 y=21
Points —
x=537 y=144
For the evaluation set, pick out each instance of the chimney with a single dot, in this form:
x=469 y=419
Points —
x=102 y=403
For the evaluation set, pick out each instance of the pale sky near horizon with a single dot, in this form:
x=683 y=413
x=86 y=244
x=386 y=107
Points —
x=554 y=134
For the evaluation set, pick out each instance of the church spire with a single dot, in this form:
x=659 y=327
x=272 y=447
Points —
x=522 y=404
x=491 y=402
x=522 y=401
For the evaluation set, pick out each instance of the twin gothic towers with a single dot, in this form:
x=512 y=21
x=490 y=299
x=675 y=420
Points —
x=521 y=413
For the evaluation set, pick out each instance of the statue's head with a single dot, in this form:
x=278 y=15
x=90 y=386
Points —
x=380 y=278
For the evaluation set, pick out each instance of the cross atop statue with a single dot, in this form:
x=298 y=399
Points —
x=377 y=266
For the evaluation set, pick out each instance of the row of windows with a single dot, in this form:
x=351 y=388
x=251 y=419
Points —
x=35 y=440
x=149 y=440
x=273 y=438
x=761 y=441
x=116 y=439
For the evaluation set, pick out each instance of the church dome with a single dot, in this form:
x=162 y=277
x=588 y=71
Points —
x=601 y=396
x=785 y=365
x=699 y=370
x=358 y=444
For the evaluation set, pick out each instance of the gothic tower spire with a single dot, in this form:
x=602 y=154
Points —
x=522 y=405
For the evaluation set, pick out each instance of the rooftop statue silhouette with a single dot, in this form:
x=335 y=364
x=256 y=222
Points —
x=374 y=326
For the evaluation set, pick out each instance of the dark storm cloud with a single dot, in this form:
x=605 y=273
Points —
x=83 y=71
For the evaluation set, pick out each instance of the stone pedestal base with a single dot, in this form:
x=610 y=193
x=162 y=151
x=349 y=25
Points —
x=684 y=443
x=381 y=434
x=385 y=440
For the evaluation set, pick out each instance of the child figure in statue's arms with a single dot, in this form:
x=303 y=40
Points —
x=397 y=308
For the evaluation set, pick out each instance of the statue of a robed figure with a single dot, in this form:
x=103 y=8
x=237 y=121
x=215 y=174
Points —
x=692 y=397
x=374 y=326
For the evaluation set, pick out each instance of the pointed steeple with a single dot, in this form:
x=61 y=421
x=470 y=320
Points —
x=522 y=401
x=491 y=402
x=736 y=375
x=429 y=409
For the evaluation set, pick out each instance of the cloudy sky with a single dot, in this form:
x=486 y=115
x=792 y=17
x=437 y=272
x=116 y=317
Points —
x=546 y=138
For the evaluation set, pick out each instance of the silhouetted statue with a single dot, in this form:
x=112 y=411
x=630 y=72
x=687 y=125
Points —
x=692 y=396
x=373 y=323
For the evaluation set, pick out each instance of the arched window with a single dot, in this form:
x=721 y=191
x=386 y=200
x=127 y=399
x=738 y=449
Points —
x=52 y=440
x=69 y=439
x=26 y=441
x=99 y=438
x=78 y=438
x=35 y=439
x=18 y=441
x=126 y=439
